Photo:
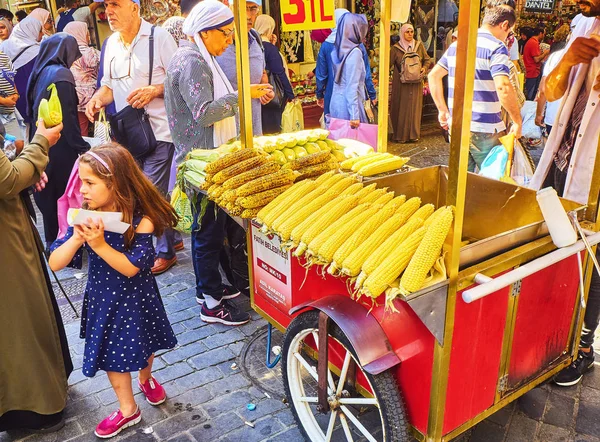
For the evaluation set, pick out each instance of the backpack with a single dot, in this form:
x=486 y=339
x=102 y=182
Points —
x=410 y=66
x=66 y=17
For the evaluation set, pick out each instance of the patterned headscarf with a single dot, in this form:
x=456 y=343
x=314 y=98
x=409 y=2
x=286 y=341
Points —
x=174 y=26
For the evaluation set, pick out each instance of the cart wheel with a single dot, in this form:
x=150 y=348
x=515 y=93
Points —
x=377 y=415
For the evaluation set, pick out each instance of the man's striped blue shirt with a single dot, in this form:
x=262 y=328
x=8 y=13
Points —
x=492 y=60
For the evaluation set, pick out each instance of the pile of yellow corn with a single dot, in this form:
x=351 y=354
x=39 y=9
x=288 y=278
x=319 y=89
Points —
x=245 y=181
x=374 y=164
x=366 y=234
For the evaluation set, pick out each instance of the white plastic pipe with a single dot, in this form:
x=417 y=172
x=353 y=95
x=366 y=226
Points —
x=525 y=270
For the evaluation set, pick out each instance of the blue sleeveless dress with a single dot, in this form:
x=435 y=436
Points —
x=123 y=319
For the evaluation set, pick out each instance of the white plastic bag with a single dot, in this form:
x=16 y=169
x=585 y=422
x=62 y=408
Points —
x=102 y=128
x=530 y=129
x=522 y=171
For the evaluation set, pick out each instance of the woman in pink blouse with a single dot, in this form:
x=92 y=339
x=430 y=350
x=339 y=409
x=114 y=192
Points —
x=85 y=70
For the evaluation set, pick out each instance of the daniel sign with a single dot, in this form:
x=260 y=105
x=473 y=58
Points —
x=539 y=5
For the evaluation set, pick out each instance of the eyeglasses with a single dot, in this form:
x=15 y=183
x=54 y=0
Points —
x=117 y=71
x=225 y=33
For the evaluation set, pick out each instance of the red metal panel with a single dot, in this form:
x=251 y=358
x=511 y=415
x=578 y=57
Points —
x=475 y=359
x=543 y=321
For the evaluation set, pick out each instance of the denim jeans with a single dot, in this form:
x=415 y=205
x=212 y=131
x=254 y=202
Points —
x=556 y=178
x=208 y=234
x=480 y=144
x=531 y=88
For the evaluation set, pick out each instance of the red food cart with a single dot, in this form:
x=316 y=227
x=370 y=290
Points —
x=507 y=318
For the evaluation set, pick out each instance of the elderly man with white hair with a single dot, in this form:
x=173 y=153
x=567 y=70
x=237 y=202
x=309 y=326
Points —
x=201 y=106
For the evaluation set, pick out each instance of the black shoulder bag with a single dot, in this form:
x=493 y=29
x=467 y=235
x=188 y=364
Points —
x=131 y=127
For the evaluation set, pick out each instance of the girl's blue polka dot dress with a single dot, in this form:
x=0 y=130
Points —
x=123 y=319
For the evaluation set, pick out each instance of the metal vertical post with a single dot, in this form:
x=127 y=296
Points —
x=243 y=72
x=384 y=75
x=457 y=183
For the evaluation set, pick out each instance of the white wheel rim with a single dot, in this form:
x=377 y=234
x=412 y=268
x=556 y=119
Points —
x=298 y=368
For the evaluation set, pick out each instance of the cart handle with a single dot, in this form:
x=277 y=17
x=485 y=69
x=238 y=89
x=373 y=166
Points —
x=488 y=285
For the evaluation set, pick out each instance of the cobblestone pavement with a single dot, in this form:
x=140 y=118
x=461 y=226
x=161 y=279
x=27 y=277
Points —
x=208 y=394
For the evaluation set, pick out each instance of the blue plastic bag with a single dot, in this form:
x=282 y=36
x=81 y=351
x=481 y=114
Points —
x=494 y=165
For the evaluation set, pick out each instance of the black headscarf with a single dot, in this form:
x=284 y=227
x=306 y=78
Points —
x=57 y=54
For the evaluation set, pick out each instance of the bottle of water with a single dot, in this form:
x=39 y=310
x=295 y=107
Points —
x=10 y=149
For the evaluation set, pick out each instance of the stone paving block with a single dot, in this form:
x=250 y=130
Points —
x=550 y=433
x=180 y=422
x=291 y=435
x=533 y=403
x=502 y=416
x=81 y=406
x=151 y=414
x=76 y=377
x=191 y=398
x=235 y=401
x=223 y=339
x=228 y=384
x=185 y=437
x=572 y=392
x=89 y=421
x=587 y=418
x=175 y=307
x=169 y=278
x=211 y=357
x=237 y=348
x=178 y=329
x=189 y=292
x=179 y=353
x=195 y=335
x=86 y=437
x=199 y=378
x=90 y=386
x=487 y=431
x=175 y=288
x=559 y=411
x=590 y=395
x=265 y=407
x=174 y=371
x=196 y=323
x=77 y=347
x=217 y=427
x=250 y=328
x=522 y=429
x=585 y=438
x=263 y=431
x=181 y=316
x=286 y=417
x=69 y=431
x=592 y=379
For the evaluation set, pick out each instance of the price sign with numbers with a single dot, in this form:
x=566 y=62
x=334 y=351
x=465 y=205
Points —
x=305 y=15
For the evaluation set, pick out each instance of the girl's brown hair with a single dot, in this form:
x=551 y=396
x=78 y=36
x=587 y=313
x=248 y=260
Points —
x=133 y=191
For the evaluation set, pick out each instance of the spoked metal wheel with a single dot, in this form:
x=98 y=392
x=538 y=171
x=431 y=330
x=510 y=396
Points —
x=354 y=405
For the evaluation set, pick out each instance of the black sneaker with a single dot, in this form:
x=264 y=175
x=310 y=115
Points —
x=229 y=292
x=225 y=313
x=574 y=372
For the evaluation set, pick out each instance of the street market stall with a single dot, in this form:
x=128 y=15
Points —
x=471 y=307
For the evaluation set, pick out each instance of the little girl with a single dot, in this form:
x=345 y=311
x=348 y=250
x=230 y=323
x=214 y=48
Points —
x=123 y=320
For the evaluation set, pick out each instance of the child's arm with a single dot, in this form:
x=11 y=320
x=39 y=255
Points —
x=94 y=236
x=64 y=254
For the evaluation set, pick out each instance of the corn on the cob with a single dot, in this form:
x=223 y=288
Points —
x=384 y=275
x=321 y=180
x=424 y=212
x=316 y=170
x=229 y=195
x=427 y=253
x=229 y=160
x=329 y=247
x=314 y=240
x=211 y=190
x=252 y=174
x=341 y=185
x=216 y=192
x=283 y=201
x=432 y=218
x=385 y=198
x=396 y=203
x=236 y=211
x=382 y=166
x=239 y=168
x=352 y=190
x=347 y=164
x=209 y=178
x=409 y=207
x=205 y=186
x=353 y=263
x=294 y=218
x=373 y=158
x=308 y=160
x=283 y=215
x=261 y=199
x=250 y=213
x=386 y=246
x=359 y=237
x=271 y=181
x=373 y=196
x=365 y=191
x=320 y=220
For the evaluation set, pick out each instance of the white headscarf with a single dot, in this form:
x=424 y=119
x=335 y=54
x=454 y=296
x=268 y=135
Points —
x=23 y=36
x=207 y=15
x=337 y=14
